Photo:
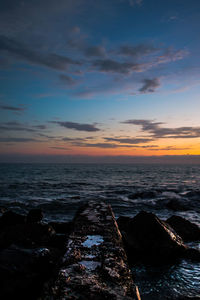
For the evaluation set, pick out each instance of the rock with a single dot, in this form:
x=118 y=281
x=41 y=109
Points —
x=23 y=271
x=62 y=227
x=95 y=264
x=34 y=216
x=177 y=205
x=192 y=254
x=10 y=218
x=152 y=240
x=187 y=230
x=3 y=209
x=27 y=235
x=58 y=241
x=123 y=223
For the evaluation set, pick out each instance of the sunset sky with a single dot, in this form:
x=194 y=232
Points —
x=99 y=78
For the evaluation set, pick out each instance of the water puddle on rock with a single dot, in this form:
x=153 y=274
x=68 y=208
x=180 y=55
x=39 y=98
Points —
x=93 y=240
x=90 y=264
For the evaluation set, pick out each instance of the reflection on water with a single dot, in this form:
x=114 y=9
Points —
x=160 y=283
x=92 y=240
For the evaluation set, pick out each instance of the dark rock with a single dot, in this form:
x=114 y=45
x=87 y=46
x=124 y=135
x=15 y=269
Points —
x=62 y=227
x=192 y=254
x=34 y=216
x=10 y=218
x=3 y=209
x=177 y=205
x=193 y=194
x=58 y=241
x=187 y=230
x=123 y=223
x=152 y=240
x=27 y=235
x=23 y=271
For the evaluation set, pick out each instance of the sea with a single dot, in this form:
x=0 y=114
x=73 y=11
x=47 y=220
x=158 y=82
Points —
x=166 y=190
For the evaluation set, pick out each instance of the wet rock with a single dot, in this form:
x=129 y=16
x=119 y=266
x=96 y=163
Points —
x=192 y=254
x=193 y=194
x=95 y=264
x=3 y=209
x=151 y=240
x=58 y=241
x=23 y=271
x=187 y=230
x=34 y=216
x=62 y=227
x=177 y=205
x=10 y=218
x=27 y=235
x=123 y=223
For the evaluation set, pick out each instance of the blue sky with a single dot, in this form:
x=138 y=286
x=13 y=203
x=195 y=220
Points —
x=99 y=78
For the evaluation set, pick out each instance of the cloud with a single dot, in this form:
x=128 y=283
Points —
x=95 y=51
x=77 y=126
x=50 y=137
x=17 y=140
x=127 y=67
x=150 y=85
x=40 y=126
x=104 y=145
x=12 y=108
x=170 y=55
x=68 y=139
x=169 y=148
x=21 y=51
x=156 y=131
x=100 y=145
x=67 y=80
x=59 y=148
x=109 y=65
x=114 y=146
x=129 y=140
x=16 y=126
x=84 y=142
x=138 y=50
x=146 y=124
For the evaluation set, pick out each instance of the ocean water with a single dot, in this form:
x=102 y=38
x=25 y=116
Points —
x=59 y=189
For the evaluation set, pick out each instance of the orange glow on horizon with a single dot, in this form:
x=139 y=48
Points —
x=179 y=147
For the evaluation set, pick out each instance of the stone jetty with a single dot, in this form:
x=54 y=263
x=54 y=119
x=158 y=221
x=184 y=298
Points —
x=95 y=263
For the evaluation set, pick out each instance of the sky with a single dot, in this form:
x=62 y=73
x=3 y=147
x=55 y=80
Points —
x=104 y=78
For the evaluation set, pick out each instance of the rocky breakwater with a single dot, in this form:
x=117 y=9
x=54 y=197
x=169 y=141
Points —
x=95 y=264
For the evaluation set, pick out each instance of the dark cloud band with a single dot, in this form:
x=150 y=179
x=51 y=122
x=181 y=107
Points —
x=77 y=126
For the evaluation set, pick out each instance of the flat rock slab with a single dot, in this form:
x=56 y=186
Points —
x=95 y=264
